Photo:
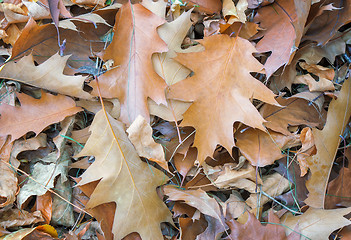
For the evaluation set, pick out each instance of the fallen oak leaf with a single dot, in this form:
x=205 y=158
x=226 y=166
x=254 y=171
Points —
x=220 y=92
x=316 y=223
x=263 y=148
x=132 y=79
x=197 y=199
x=253 y=229
x=338 y=190
x=34 y=114
x=284 y=38
x=48 y=75
x=140 y=134
x=297 y=111
x=123 y=179
x=327 y=142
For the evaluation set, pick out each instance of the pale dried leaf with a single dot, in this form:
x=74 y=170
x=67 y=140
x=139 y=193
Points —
x=140 y=134
x=48 y=75
x=124 y=179
x=317 y=223
x=327 y=142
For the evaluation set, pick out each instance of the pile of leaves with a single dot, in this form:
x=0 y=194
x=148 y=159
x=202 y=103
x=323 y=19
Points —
x=205 y=119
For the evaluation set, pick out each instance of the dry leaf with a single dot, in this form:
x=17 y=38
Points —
x=132 y=78
x=207 y=6
x=281 y=39
x=338 y=194
x=8 y=177
x=316 y=223
x=235 y=206
x=273 y=185
x=221 y=92
x=124 y=179
x=263 y=148
x=197 y=199
x=140 y=134
x=325 y=26
x=307 y=149
x=327 y=142
x=48 y=75
x=171 y=71
x=227 y=176
x=297 y=111
x=16 y=218
x=253 y=229
x=34 y=114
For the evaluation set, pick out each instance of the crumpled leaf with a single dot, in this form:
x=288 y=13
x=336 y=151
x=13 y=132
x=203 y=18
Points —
x=233 y=13
x=197 y=199
x=227 y=176
x=44 y=232
x=43 y=175
x=140 y=134
x=30 y=144
x=8 y=176
x=190 y=228
x=307 y=149
x=321 y=86
x=235 y=206
x=327 y=142
x=34 y=114
x=132 y=78
x=273 y=185
x=311 y=54
x=48 y=75
x=316 y=223
x=15 y=218
x=214 y=229
x=124 y=179
x=220 y=92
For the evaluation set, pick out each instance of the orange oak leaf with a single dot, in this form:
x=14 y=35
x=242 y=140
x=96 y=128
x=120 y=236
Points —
x=132 y=78
x=253 y=229
x=281 y=39
x=263 y=148
x=220 y=89
x=327 y=142
x=34 y=114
